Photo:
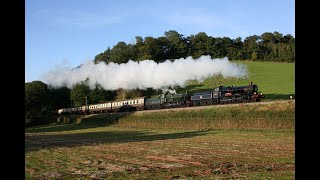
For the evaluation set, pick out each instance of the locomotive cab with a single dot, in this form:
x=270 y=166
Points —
x=255 y=91
x=255 y=88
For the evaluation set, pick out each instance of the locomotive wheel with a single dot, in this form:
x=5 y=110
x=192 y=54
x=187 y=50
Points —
x=139 y=108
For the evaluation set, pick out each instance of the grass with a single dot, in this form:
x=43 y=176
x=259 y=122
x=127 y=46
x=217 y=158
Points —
x=275 y=80
x=125 y=146
x=279 y=115
x=269 y=116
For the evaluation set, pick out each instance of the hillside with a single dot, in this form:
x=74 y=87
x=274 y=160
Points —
x=275 y=80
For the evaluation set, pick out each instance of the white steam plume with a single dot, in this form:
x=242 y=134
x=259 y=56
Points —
x=144 y=74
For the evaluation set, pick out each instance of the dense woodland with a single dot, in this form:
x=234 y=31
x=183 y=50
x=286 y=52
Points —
x=42 y=101
x=266 y=47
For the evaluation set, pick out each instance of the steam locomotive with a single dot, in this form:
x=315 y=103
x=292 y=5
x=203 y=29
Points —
x=219 y=95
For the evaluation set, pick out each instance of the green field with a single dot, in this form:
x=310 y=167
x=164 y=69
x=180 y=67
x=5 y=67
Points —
x=275 y=80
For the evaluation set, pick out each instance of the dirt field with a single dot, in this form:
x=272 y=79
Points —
x=119 y=153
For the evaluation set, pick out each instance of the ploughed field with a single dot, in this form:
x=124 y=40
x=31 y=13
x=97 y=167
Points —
x=247 y=141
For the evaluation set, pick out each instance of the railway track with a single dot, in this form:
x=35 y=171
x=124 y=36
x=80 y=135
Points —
x=196 y=107
x=210 y=106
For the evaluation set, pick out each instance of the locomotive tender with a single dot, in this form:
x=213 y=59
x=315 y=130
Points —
x=219 y=95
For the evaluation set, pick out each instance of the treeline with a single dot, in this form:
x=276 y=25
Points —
x=43 y=101
x=266 y=47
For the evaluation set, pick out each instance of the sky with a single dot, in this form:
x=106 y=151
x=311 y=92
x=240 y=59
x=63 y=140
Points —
x=72 y=32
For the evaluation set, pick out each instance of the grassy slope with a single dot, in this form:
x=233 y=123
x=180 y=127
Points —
x=276 y=80
x=272 y=78
x=275 y=115
x=271 y=116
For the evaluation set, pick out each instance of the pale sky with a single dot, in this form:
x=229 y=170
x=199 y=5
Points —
x=75 y=31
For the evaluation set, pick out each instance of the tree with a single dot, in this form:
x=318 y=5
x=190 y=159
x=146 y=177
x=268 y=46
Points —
x=60 y=97
x=220 y=48
x=134 y=93
x=122 y=53
x=103 y=57
x=121 y=94
x=254 y=56
x=278 y=37
x=177 y=45
x=236 y=52
x=289 y=39
x=199 y=44
x=267 y=37
x=251 y=47
x=37 y=106
x=173 y=45
x=151 y=49
x=99 y=94
x=78 y=94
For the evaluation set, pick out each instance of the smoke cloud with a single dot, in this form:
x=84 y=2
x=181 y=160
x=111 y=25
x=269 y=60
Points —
x=144 y=74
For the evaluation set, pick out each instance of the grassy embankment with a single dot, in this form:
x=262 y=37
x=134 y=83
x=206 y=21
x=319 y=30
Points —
x=253 y=116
